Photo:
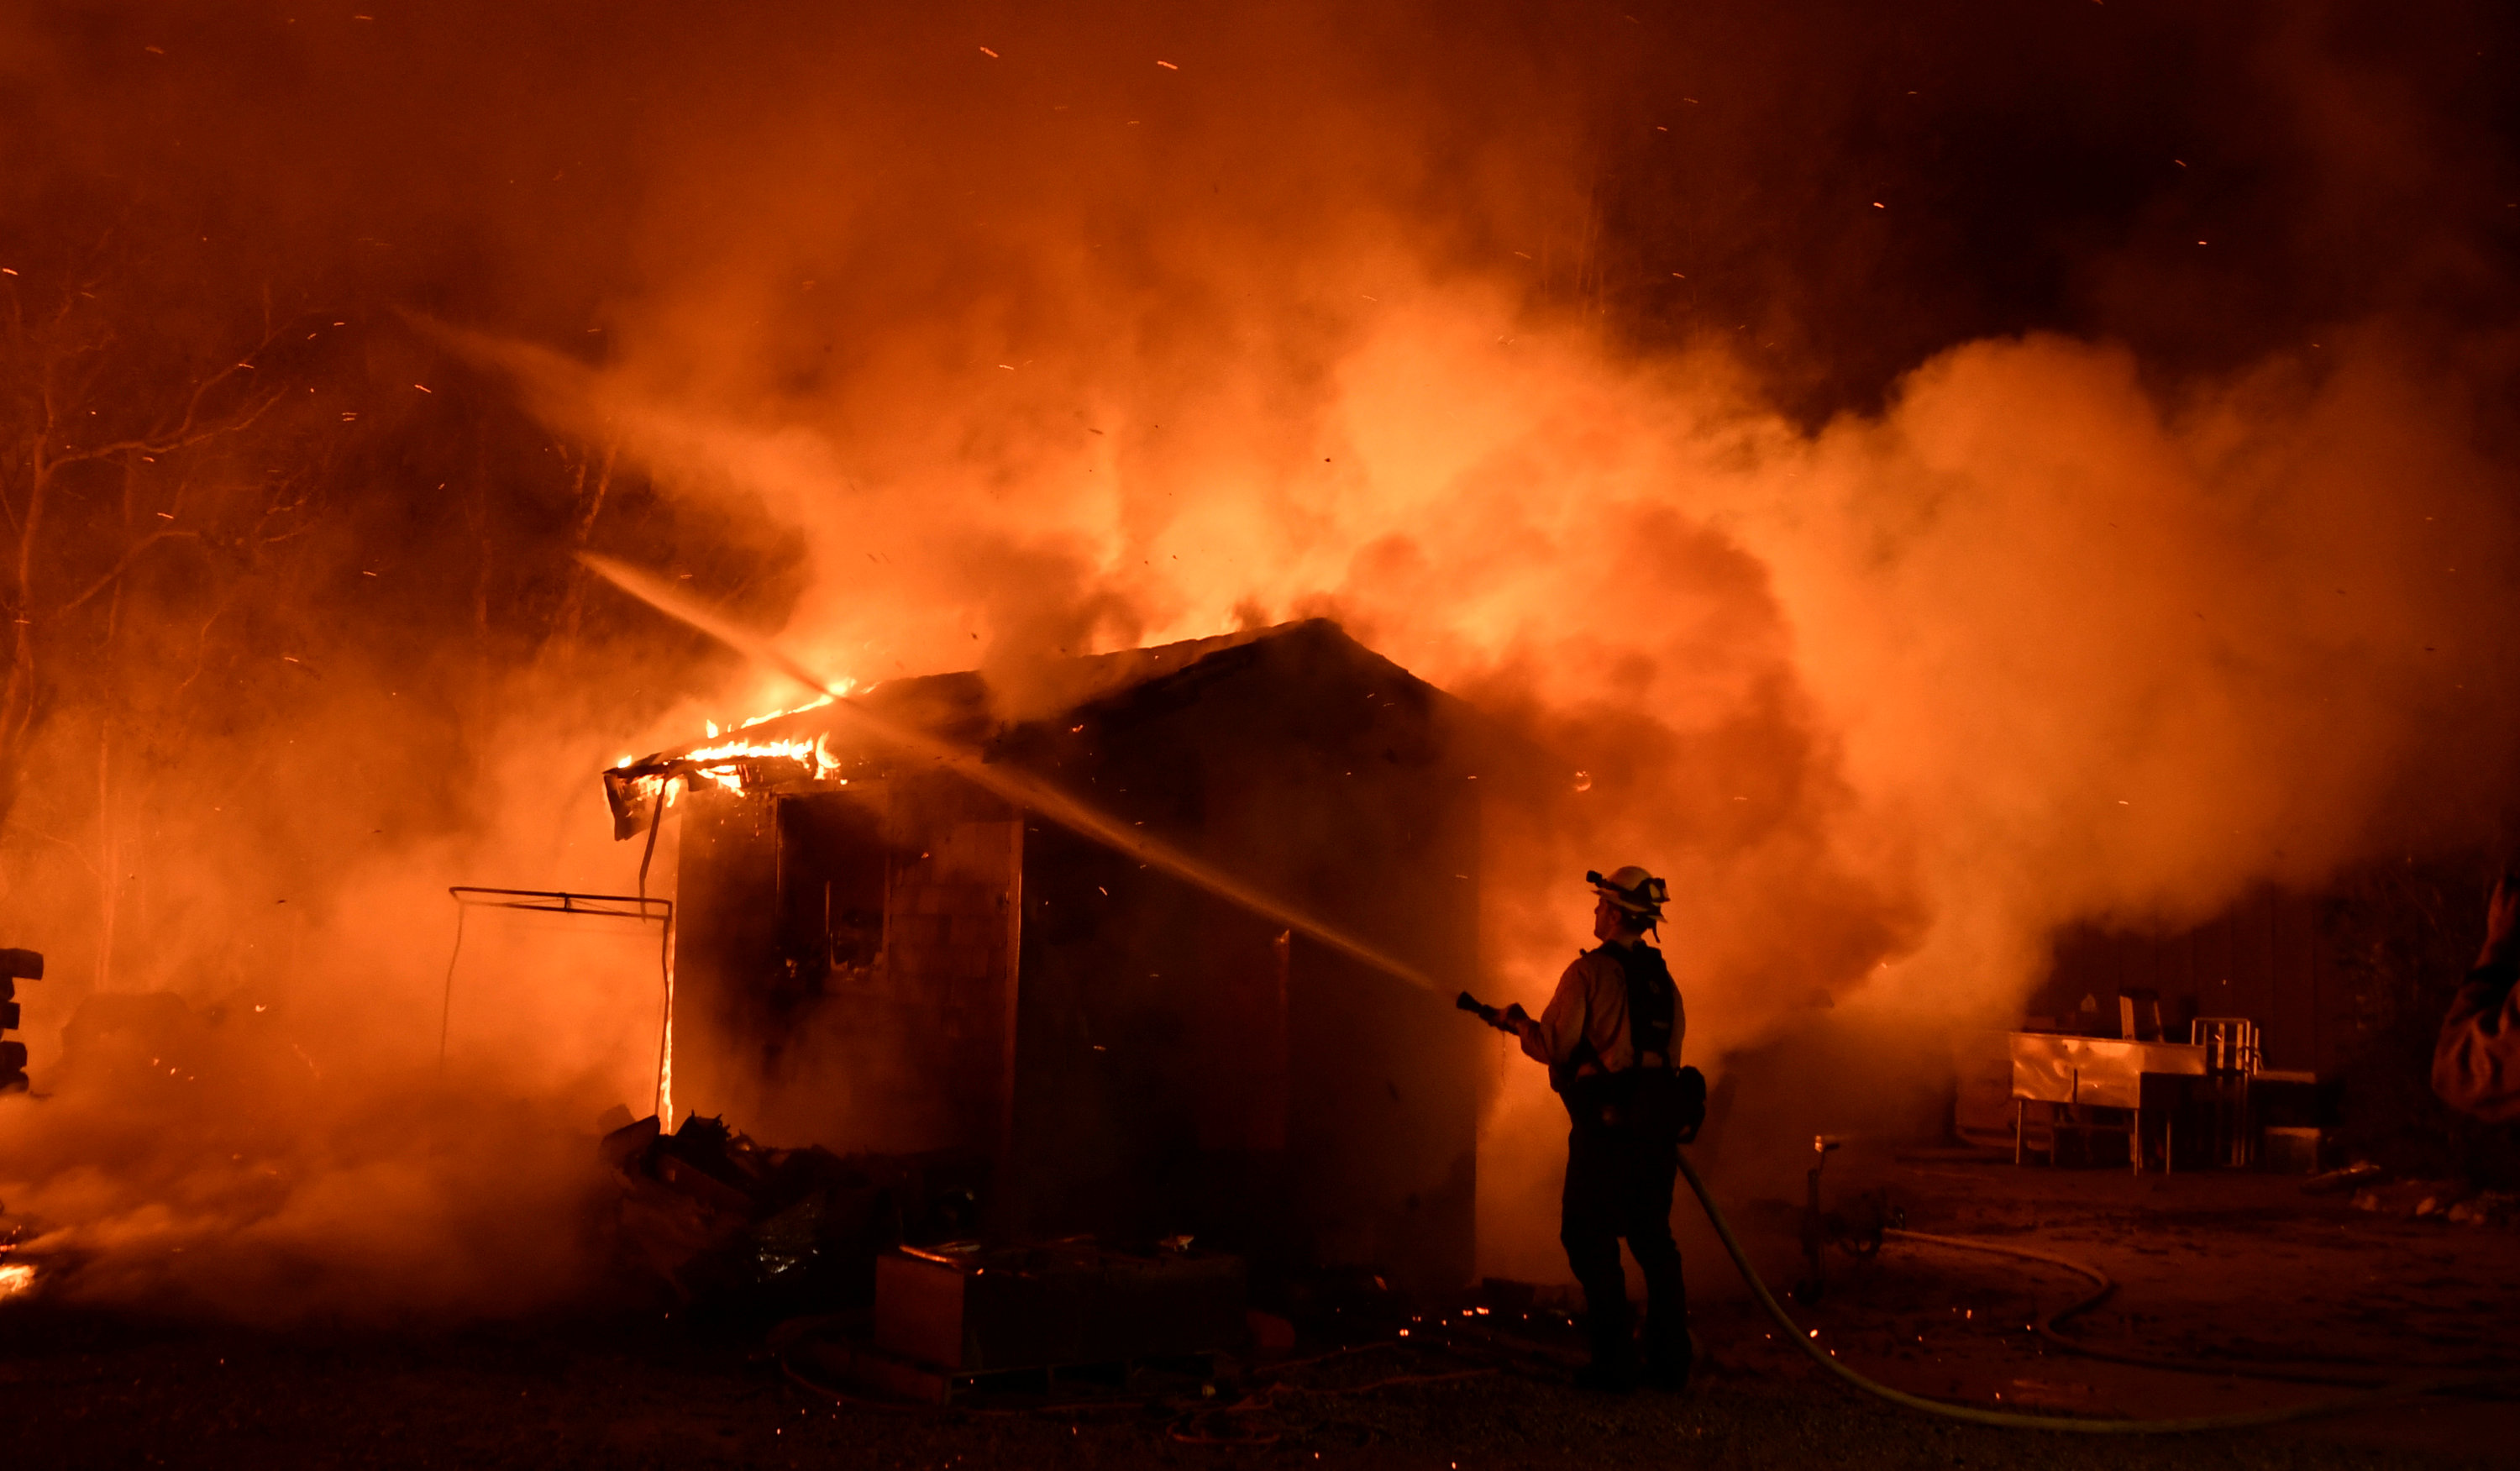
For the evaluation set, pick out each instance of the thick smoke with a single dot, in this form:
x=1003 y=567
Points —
x=1828 y=443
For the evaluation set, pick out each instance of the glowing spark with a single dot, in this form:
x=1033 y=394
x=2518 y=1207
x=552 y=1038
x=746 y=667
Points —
x=986 y=52
x=1168 y=67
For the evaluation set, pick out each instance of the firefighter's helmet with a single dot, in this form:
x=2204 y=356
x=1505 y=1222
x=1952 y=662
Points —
x=1633 y=890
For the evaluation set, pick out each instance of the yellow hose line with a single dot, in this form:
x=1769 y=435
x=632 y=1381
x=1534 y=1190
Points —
x=2046 y=1326
x=2011 y=1420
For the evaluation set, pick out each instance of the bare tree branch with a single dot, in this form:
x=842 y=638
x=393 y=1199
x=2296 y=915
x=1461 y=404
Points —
x=185 y=436
x=124 y=566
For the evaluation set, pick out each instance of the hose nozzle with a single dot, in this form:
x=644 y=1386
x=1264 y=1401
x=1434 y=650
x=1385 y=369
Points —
x=1510 y=1019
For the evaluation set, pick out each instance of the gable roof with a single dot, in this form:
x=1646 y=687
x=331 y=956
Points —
x=957 y=708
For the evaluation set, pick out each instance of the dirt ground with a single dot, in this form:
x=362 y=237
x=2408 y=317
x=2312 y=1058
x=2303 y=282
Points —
x=2213 y=1267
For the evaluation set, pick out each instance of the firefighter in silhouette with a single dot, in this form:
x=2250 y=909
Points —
x=1610 y=1037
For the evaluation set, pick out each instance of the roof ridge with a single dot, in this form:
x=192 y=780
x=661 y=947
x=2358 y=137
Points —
x=1137 y=667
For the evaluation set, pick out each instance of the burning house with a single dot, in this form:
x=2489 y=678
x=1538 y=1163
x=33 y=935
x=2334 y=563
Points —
x=877 y=948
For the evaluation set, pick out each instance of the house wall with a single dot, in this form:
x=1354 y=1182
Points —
x=725 y=949
x=1185 y=1064
x=790 y=1026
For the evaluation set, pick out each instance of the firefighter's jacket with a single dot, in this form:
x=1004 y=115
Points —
x=2476 y=1063
x=1591 y=1005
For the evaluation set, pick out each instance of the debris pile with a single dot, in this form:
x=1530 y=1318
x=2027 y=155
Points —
x=965 y=1318
x=2413 y=1197
x=713 y=1215
x=2375 y=1188
x=1065 y=1302
x=2486 y=1208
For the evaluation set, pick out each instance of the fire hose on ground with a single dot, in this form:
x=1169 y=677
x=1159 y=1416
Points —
x=1508 y=1021
x=2014 y=1420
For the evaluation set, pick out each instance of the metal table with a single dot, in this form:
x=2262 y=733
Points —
x=2078 y=1073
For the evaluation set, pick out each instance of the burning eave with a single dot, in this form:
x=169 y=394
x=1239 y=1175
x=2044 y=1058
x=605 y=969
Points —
x=777 y=749
x=822 y=744
x=789 y=747
x=634 y=788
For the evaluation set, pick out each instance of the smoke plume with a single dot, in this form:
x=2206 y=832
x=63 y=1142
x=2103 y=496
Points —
x=1927 y=483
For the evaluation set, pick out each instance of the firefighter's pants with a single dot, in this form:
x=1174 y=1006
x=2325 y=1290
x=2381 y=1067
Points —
x=1618 y=1184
